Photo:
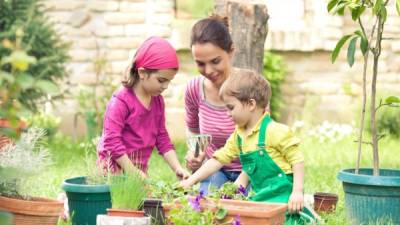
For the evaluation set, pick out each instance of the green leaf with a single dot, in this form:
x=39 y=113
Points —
x=339 y=45
x=7 y=76
x=340 y=9
x=332 y=4
x=25 y=81
x=351 y=51
x=356 y=13
x=392 y=99
x=47 y=86
x=364 y=45
x=363 y=42
x=398 y=6
x=384 y=13
x=221 y=213
x=377 y=7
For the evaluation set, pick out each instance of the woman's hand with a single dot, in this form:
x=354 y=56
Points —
x=296 y=203
x=194 y=163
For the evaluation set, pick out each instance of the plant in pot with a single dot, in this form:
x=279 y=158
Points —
x=128 y=192
x=226 y=205
x=88 y=196
x=371 y=194
x=20 y=162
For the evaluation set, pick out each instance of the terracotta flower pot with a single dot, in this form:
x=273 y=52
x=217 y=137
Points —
x=125 y=213
x=36 y=211
x=325 y=202
x=250 y=213
x=4 y=140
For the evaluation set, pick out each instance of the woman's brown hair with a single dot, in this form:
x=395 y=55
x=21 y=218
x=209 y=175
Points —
x=214 y=30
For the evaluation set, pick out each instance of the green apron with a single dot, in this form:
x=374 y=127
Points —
x=267 y=179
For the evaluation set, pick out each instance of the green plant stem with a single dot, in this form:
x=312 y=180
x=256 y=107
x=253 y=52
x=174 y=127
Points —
x=377 y=53
x=364 y=86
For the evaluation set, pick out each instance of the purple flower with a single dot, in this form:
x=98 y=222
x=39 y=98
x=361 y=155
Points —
x=200 y=196
x=242 y=190
x=236 y=221
x=195 y=203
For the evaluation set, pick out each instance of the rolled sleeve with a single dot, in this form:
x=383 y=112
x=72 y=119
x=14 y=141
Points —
x=229 y=152
x=163 y=141
x=287 y=143
x=192 y=107
x=114 y=118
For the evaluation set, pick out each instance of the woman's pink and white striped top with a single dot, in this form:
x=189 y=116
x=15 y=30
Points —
x=205 y=118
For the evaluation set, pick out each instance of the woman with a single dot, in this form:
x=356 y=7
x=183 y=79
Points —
x=212 y=50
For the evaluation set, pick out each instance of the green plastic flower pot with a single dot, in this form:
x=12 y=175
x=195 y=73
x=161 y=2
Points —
x=86 y=201
x=5 y=218
x=370 y=199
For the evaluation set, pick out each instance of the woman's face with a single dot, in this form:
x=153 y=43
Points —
x=212 y=62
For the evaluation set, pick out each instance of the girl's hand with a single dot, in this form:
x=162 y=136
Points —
x=296 y=203
x=194 y=163
x=182 y=173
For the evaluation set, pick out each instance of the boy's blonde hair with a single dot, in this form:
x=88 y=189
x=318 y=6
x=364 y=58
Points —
x=244 y=85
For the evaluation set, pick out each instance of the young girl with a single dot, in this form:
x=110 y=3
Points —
x=268 y=151
x=134 y=121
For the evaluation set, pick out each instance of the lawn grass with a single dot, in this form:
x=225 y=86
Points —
x=323 y=162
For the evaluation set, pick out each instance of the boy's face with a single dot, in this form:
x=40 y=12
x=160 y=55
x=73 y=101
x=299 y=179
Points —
x=240 y=113
x=156 y=82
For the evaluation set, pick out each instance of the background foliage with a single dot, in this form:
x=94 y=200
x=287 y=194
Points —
x=274 y=70
x=40 y=41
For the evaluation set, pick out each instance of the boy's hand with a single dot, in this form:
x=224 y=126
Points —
x=295 y=203
x=194 y=163
x=182 y=173
x=185 y=184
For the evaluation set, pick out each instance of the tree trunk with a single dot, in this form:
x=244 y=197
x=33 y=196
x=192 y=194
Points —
x=248 y=28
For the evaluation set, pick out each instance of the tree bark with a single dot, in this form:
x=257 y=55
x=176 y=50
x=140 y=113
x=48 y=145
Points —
x=248 y=28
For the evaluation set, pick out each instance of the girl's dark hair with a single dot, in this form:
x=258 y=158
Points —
x=132 y=77
x=214 y=30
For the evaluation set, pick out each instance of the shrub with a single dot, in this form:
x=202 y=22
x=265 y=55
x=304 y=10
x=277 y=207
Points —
x=26 y=158
x=274 y=70
x=39 y=39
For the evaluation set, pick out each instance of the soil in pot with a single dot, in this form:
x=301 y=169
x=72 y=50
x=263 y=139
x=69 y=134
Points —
x=125 y=213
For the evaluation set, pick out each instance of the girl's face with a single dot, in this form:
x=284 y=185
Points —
x=212 y=62
x=156 y=82
x=240 y=113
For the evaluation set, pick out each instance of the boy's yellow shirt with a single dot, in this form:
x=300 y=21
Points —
x=282 y=145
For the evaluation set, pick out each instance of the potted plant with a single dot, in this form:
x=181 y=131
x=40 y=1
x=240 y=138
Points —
x=88 y=196
x=222 y=207
x=371 y=194
x=18 y=162
x=325 y=202
x=128 y=192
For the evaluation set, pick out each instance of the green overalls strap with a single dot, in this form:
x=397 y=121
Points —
x=267 y=179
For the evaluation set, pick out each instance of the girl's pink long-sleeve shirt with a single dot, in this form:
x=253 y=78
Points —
x=132 y=129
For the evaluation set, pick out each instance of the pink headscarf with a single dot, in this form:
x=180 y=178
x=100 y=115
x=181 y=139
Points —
x=156 y=53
